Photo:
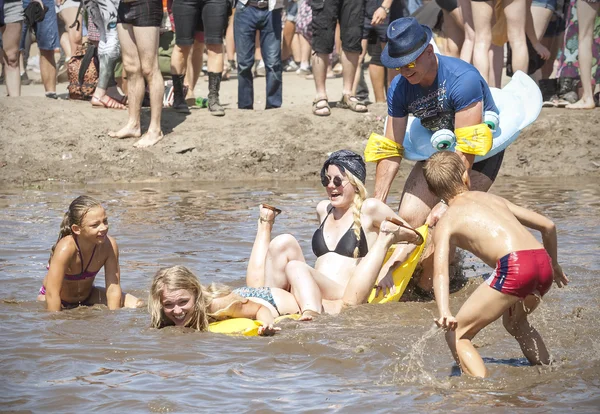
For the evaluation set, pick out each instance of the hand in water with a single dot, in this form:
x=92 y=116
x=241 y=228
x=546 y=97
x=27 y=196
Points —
x=446 y=322
x=386 y=284
x=267 y=330
x=559 y=276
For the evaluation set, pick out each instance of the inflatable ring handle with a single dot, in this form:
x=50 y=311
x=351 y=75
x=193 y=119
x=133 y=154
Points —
x=397 y=222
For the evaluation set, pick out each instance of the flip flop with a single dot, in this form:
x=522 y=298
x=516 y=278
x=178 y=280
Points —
x=273 y=209
x=397 y=222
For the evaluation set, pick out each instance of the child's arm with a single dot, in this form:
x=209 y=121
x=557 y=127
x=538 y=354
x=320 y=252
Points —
x=441 y=278
x=545 y=226
x=113 y=277
x=54 y=280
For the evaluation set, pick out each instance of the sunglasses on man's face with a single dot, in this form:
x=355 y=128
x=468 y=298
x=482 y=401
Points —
x=337 y=181
x=411 y=65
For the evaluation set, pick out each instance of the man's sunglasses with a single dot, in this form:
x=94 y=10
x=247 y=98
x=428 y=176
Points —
x=409 y=66
x=337 y=181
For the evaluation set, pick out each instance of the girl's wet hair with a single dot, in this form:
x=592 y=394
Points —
x=181 y=278
x=74 y=216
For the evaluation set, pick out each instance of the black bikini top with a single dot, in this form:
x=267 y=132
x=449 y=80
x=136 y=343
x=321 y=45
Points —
x=345 y=246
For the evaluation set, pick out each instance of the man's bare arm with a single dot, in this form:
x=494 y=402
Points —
x=387 y=168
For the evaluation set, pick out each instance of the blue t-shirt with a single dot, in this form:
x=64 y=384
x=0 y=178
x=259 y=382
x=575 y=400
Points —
x=456 y=86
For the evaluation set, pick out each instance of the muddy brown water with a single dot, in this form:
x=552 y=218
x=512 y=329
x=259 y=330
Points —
x=375 y=358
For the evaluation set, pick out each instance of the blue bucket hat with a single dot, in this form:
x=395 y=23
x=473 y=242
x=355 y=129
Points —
x=407 y=39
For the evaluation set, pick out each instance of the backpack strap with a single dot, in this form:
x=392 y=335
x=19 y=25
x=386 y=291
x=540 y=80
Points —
x=85 y=63
x=79 y=11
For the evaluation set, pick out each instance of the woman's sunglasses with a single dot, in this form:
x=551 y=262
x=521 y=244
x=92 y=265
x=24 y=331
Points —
x=337 y=181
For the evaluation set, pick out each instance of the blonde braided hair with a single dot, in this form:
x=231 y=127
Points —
x=360 y=195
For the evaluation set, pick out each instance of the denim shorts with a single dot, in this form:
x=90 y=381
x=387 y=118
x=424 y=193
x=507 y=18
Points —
x=547 y=4
x=291 y=11
x=46 y=31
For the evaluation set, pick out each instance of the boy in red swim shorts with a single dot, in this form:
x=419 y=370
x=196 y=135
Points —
x=493 y=229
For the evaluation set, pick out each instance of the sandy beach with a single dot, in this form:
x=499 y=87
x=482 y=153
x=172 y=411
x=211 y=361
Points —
x=44 y=141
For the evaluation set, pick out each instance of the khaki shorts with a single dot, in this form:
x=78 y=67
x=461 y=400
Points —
x=13 y=12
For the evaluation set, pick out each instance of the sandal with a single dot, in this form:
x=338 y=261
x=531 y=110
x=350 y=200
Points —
x=273 y=209
x=397 y=222
x=352 y=103
x=316 y=107
x=106 y=102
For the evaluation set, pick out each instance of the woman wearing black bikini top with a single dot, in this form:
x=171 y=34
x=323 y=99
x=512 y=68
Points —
x=350 y=243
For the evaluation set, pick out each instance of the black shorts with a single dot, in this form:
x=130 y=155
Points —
x=141 y=13
x=375 y=33
x=208 y=16
x=374 y=50
x=325 y=14
x=491 y=166
x=448 y=5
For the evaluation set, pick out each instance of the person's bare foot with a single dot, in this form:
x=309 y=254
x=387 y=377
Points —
x=582 y=104
x=126 y=132
x=149 y=139
x=308 y=315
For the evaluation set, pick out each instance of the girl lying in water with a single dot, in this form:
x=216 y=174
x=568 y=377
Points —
x=83 y=248
x=350 y=243
x=177 y=298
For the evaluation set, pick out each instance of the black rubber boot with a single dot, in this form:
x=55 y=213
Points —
x=179 y=104
x=548 y=88
x=214 y=85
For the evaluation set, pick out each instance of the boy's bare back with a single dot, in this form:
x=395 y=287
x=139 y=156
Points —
x=486 y=225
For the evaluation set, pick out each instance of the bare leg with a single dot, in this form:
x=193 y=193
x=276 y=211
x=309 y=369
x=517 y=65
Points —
x=255 y=273
x=466 y=52
x=75 y=36
x=147 y=45
x=364 y=277
x=454 y=31
x=229 y=40
x=288 y=35
x=215 y=58
x=135 y=82
x=483 y=307
x=305 y=51
x=586 y=16
x=48 y=70
x=11 y=34
x=282 y=250
x=497 y=63
x=319 y=70
x=361 y=58
x=529 y=339
x=194 y=67
x=377 y=75
x=304 y=287
x=516 y=12
x=482 y=20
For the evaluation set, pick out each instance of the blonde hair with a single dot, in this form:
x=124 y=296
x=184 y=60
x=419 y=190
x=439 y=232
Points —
x=181 y=278
x=443 y=172
x=74 y=216
x=360 y=196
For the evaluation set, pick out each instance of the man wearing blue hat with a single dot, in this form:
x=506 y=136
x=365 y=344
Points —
x=443 y=93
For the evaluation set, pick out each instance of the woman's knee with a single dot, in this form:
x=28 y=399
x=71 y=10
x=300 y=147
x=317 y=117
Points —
x=282 y=244
x=516 y=327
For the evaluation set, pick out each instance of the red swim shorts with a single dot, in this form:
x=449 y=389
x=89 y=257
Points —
x=522 y=273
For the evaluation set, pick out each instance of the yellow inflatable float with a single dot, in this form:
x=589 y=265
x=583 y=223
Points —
x=402 y=275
